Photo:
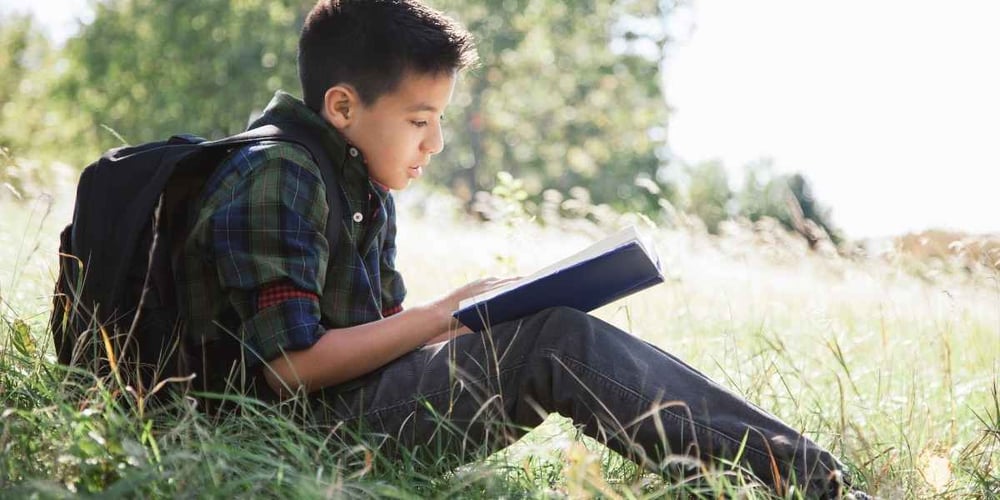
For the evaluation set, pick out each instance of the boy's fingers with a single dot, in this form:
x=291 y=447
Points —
x=495 y=280
x=492 y=283
x=505 y=281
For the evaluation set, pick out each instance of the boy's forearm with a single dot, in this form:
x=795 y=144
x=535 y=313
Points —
x=346 y=353
x=450 y=334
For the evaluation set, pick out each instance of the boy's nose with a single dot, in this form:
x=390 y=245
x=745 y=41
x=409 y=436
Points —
x=434 y=142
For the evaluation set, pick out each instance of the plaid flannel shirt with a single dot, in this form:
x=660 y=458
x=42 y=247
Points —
x=255 y=267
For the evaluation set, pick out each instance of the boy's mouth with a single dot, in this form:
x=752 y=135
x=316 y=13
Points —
x=416 y=171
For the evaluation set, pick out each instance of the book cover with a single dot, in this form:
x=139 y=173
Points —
x=608 y=270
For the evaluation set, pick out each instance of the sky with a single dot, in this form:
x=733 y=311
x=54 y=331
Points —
x=59 y=17
x=891 y=108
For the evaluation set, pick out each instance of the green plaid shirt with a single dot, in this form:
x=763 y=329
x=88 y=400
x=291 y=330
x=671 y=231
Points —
x=256 y=267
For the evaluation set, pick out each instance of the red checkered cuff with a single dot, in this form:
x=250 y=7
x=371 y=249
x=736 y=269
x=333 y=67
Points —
x=277 y=293
x=392 y=310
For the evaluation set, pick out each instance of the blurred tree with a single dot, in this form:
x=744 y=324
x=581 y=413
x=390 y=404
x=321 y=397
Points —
x=787 y=198
x=26 y=70
x=17 y=36
x=810 y=210
x=762 y=194
x=568 y=93
x=708 y=194
x=147 y=69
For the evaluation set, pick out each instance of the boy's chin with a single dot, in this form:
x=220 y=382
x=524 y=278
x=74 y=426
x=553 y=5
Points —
x=392 y=184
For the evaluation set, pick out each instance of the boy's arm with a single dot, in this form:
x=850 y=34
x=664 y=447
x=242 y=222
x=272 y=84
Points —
x=346 y=353
x=450 y=334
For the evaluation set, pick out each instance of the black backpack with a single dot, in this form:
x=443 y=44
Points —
x=115 y=310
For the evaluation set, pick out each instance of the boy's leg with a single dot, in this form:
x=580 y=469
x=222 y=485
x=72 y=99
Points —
x=480 y=391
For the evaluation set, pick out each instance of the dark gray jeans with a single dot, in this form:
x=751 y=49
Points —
x=482 y=391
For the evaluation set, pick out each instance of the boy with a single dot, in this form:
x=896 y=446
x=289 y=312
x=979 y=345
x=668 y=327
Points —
x=263 y=294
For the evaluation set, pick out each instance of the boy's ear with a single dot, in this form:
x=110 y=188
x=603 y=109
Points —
x=338 y=104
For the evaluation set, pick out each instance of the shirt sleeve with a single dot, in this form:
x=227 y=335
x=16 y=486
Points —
x=393 y=289
x=270 y=250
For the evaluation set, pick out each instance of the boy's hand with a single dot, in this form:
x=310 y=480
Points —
x=449 y=304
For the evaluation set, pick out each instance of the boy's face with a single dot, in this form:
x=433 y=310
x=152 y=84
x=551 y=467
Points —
x=401 y=130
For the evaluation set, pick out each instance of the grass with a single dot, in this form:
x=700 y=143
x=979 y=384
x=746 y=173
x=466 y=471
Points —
x=895 y=373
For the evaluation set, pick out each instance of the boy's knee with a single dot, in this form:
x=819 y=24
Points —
x=565 y=326
x=564 y=314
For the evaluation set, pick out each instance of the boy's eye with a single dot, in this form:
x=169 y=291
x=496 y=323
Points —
x=419 y=123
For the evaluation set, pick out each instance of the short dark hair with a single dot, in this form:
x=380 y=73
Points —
x=370 y=44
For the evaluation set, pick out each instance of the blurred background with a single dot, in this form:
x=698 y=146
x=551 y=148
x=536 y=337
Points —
x=821 y=175
x=840 y=121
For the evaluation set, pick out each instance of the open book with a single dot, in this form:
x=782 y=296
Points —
x=612 y=268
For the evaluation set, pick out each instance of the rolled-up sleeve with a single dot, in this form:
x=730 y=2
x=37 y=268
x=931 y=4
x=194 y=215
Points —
x=270 y=234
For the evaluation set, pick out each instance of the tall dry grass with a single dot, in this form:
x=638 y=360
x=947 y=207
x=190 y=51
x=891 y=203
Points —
x=895 y=371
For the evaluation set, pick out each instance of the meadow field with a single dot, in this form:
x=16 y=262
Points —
x=892 y=365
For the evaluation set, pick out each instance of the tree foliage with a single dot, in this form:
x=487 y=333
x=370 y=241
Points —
x=568 y=93
x=148 y=69
x=786 y=197
x=563 y=98
x=26 y=71
x=16 y=39
x=567 y=99
x=708 y=193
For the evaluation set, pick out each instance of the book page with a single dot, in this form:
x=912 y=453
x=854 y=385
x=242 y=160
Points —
x=621 y=238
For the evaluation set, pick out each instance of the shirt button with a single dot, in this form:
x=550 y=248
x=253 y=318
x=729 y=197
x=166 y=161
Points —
x=358 y=217
x=353 y=152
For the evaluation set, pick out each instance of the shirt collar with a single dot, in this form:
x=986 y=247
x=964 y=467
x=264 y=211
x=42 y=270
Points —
x=348 y=159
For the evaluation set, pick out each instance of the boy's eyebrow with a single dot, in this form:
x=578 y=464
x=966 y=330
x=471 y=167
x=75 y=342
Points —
x=421 y=107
